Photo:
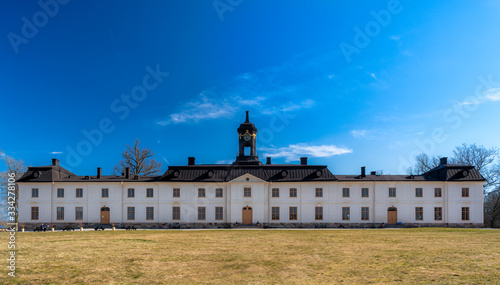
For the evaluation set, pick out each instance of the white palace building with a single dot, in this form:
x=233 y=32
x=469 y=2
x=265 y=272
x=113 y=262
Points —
x=249 y=192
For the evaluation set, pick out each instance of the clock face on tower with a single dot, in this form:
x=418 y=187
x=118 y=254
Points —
x=247 y=137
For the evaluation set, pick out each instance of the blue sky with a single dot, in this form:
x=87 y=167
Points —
x=346 y=83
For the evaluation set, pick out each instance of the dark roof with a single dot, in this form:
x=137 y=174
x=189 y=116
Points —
x=266 y=172
x=55 y=173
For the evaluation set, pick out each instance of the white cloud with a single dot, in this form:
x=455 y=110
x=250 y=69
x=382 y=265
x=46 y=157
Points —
x=373 y=75
x=359 y=133
x=294 y=151
x=395 y=38
x=490 y=95
x=227 y=161
x=289 y=107
x=56 y=152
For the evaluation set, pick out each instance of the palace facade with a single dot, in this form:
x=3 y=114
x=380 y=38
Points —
x=250 y=192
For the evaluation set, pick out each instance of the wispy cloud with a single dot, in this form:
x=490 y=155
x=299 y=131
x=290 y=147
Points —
x=359 y=133
x=227 y=161
x=294 y=151
x=289 y=107
x=490 y=95
x=56 y=152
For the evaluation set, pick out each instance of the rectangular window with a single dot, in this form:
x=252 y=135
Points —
x=437 y=192
x=60 y=192
x=176 y=213
x=345 y=192
x=293 y=213
x=392 y=192
x=60 y=213
x=364 y=192
x=419 y=213
x=275 y=193
x=346 y=213
x=104 y=193
x=131 y=192
x=34 y=193
x=201 y=192
x=438 y=213
x=465 y=192
x=365 y=214
x=219 y=213
x=318 y=213
x=177 y=193
x=419 y=193
x=149 y=193
x=275 y=213
x=79 y=193
x=319 y=192
x=293 y=192
x=150 y=213
x=131 y=213
x=201 y=213
x=465 y=213
x=219 y=193
x=34 y=213
x=78 y=213
x=247 y=192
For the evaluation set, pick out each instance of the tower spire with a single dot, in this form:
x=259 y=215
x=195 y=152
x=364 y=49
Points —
x=247 y=120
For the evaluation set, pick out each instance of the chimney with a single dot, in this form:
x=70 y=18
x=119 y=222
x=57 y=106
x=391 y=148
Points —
x=191 y=160
x=55 y=162
x=373 y=173
x=99 y=172
x=303 y=161
x=127 y=172
x=363 y=171
x=268 y=160
x=443 y=161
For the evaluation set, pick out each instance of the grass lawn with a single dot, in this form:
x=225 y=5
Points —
x=430 y=255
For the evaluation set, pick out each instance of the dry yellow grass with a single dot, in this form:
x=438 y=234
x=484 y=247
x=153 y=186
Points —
x=257 y=256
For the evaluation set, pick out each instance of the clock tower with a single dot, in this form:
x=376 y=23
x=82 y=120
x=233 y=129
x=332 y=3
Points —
x=247 y=154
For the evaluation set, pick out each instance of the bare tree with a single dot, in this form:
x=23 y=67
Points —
x=140 y=161
x=472 y=154
x=492 y=208
x=423 y=164
x=15 y=168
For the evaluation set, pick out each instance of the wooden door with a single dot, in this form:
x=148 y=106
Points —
x=105 y=215
x=392 y=216
x=247 y=216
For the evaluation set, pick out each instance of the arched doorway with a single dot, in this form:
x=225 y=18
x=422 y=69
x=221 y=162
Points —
x=392 y=216
x=105 y=215
x=246 y=216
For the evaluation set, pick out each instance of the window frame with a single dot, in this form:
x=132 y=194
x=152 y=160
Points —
x=81 y=192
x=219 y=216
x=35 y=211
x=419 y=213
x=438 y=192
x=150 y=213
x=202 y=193
x=247 y=192
x=130 y=213
x=103 y=191
x=219 y=193
x=176 y=213
x=275 y=213
x=319 y=191
x=150 y=191
x=60 y=193
x=465 y=214
x=363 y=190
x=465 y=192
x=176 y=192
x=365 y=213
x=77 y=213
x=419 y=192
x=202 y=213
x=33 y=192
x=346 y=192
x=318 y=213
x=346 y=213
x=438 y=210
x=130 y=192
x=293 y=215
x=60 y=214
x=392 y=192
x=293 y=193
x=275 y=193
